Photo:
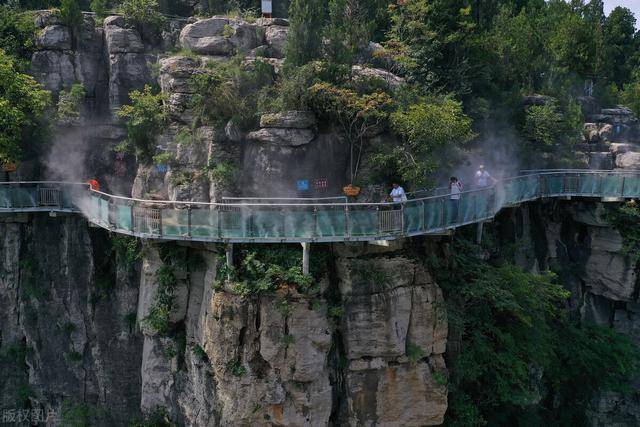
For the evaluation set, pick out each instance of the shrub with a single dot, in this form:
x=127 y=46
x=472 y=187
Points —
x=127 y=249
x=304 y=41
x=100 y=8
x=145 y=118
x=71 y=14
x=69 y=103
x=17 y=35
x=142 y=13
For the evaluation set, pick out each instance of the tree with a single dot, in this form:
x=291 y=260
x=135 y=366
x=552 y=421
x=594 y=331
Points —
x=142 y=12
x=356 y=114
x=347 y=30
x=22 y=106
x=304 y=42
x=145 y=118
x=429 y=131
x=619 y=31
x=100 y=8
x=71 y=14
x=17 y=35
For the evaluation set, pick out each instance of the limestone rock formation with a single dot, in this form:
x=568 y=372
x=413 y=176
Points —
x=221 y=36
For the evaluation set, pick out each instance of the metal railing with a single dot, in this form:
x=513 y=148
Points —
x=296 y=221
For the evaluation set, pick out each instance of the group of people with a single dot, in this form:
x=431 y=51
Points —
x=482 y=179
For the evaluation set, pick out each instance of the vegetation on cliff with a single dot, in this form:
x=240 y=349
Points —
x=516 y=356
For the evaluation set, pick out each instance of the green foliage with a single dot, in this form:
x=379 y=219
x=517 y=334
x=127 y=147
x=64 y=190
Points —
x=264 y=270
x=69 y=103
x=414 y=353
x=224 y=173
x=229 y=91
x=17 y=35
x=22 y=105
x=304 y=42
x=547 y=125
x=80 y=414
x=163 y=158
x=74 y=356
x=100 y=8
x=145 y=118
x=357 y=115
x=128 y=249
x=158 y=319
x=142 y=13
x=626 y=219
x=630 y=95
x=291 y=90
x=347 y=30
x=159 y=417
x=517 y=346
x=431 y=132
x=199 y=352
x=130 y=320
x=236 y=368
x=71 y=14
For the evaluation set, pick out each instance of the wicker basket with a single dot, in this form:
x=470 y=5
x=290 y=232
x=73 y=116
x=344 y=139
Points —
x=351 y=190
x=9 y=167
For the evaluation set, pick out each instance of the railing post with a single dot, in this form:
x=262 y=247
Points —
x=315 y=221
x=188 y=220
x=443 y=219
x=379 y=228
x=219 y=222
x=347 y=228
x=133 y=218
x=160 y=221
x=424 y=216
x=624 y=178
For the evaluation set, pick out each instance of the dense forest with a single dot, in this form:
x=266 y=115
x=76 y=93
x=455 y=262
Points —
x=465 y=68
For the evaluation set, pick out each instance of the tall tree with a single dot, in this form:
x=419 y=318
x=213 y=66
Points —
x=304 y=43
x=619 y=31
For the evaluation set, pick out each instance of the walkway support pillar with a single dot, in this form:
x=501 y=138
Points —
x=479 y=232
x=229 y=255
x=306 y=249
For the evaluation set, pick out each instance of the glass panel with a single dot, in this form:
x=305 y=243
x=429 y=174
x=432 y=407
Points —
x=204 y=223
x=554 y=184
x=103 y=211
x=484 y=199
x=531 y=188
x=413 y=217
x=451 y=212
x=611 y=185
x=433 y=213
x=300 y=223
x=267 y=223
x=24 y=197
x=175 y=222
x=123 y=218
x=233 y=222
x=5 y=196
x=331 y=222
x=589 y=184
x=363 y=222
x=631 y=186
x=467 y=212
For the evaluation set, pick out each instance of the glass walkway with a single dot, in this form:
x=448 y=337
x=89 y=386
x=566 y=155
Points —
x=292 y=220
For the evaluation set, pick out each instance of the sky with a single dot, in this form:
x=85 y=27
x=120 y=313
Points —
x=633 y=5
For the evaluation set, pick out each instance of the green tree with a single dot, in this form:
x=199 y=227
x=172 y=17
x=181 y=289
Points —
x=304 y=42
x=100 y=8
x=630 y=96
x=17 y=35
x=430 y=131
x=22 y=106
x=142 y=13
x=145 y=118
x=71 y=14
x=619 y=31
x=520 y=358
x=69 y=103
x=347 y=30
x=356 y=114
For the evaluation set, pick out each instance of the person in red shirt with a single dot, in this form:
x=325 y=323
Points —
x=94 y=184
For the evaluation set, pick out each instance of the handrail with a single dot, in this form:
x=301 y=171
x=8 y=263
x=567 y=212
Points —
x=306 y=222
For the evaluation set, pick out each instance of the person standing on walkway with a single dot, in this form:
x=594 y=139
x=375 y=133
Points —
x=398 y=195
x=483 y=178
x=455 y=188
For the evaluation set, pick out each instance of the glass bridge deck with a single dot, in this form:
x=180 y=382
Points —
x=309 y=222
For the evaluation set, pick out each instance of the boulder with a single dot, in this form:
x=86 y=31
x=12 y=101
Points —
x=282 y=136
x=621 y=148
x=54 y=37
x=175 y=73
x=266 y=22
x=536 y=99
x=288 y=119
x=44 y=18
x=122 y=40
x=591 y=133
x=221 y=36
x=391 y=79
x=628 y=160
x=276 y=37
x=606 y=132
x=114 y=20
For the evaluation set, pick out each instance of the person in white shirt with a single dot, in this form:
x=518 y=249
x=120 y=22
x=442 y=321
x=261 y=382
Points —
x=483 y=177
x=398 y=195
x=455 y=188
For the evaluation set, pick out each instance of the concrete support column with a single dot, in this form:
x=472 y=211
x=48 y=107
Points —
x=306 y=249
x=229 y=254
x=479 y=232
